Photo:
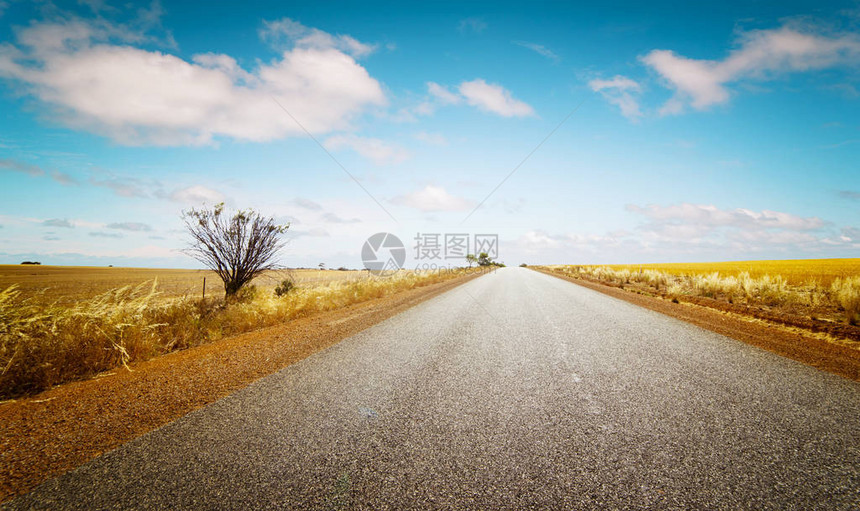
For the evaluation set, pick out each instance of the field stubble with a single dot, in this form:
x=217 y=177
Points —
x=62 y=285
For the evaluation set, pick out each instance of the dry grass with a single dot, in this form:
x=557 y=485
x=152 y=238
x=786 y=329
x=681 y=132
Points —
x=68 y=284
x=796 y=272
x=42 y=345
x=826 y=288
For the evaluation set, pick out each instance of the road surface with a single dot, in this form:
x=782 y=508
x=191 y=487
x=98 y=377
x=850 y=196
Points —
x=515 y=390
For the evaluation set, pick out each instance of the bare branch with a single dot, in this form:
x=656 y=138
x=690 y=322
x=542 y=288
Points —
x=237 y=248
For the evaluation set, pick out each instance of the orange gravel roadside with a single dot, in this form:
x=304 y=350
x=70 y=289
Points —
x=64 y=427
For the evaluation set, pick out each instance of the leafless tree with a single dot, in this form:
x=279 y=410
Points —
x=237 y=248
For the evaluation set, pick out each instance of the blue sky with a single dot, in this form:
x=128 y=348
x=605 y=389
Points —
x=711 y=132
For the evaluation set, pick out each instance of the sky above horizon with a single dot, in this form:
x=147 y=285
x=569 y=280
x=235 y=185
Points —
x=623 y=132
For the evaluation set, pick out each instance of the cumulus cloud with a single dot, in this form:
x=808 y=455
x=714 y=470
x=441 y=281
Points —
x=760 y=55
x=620 y=92
x=692 y=228
x=92 y=78
x=494 y=98
x=539 y=49
x=433 y=198
x=130 y=226
x=197 y=194
x=374 y=149
x=286 y=31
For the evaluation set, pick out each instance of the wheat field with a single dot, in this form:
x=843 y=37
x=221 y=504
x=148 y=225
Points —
x=818 y=288
x=795 y=271
x=67 y=284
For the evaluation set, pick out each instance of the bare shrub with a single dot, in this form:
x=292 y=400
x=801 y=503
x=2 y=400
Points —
x=238 y=248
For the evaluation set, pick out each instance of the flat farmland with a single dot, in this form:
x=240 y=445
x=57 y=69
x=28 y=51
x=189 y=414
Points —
x=67 y=284
x=795 y=271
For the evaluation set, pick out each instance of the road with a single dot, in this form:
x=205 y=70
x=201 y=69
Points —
x=514 y=390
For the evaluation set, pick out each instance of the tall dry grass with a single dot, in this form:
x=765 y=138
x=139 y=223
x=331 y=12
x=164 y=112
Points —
x=847 y=294
x=44 y=345
x=842 y=294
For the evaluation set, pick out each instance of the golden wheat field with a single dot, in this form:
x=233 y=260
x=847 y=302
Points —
x=796 y=272
x=818 y=288
x=68 y=284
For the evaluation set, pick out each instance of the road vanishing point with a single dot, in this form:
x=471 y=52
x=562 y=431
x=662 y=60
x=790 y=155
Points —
x=515 y=390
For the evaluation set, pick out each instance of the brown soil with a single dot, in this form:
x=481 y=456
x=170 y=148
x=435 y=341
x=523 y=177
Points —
x=63 y=428
x=756 y=326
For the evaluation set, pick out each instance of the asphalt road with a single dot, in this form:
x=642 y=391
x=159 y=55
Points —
x=515 y=390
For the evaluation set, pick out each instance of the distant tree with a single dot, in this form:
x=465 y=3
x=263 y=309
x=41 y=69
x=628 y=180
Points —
x=238 y=248
x=471 y=259
x=322 y=266
x=31 y=262
x=484 y=259
x=523 y=265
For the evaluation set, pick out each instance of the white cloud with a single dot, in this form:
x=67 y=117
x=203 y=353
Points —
x=374 y=149
x=286 y=30
x=443 y=94
x=619 y=91
x=137 y=96
x=708 y=217
x=539 y=49
x=494 y=98
x=761 y=54
x=433 y=198
x=478 y=93
x=696 y=229
x=196 y=195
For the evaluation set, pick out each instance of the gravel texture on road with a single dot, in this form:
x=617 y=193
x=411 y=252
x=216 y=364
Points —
x=514 y=390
